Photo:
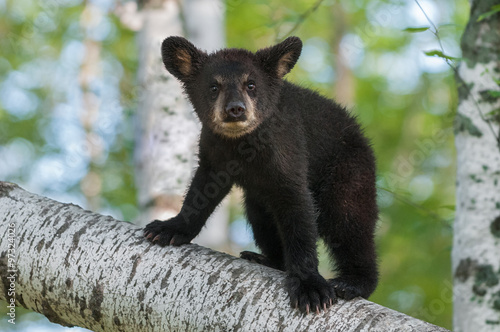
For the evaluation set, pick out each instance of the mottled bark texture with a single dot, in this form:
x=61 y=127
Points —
x=166 y=126
x=476 y=248
x=83 y=269
x=167 y=129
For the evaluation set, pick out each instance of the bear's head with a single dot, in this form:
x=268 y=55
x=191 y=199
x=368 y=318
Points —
x=232 y=90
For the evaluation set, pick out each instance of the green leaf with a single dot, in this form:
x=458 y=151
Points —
x=494 y=93
x=440 y=54
x=413 y=30
x=489 y=96
x=494 y=114
x=494 y=9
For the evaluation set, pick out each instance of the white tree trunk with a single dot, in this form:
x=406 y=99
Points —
x=79 y=268
x=476 y=247
x=168 y=130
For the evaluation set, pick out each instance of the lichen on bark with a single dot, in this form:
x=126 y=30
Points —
x=485 y=278
x=480 y=41
x=495 y=227
x=465 y=269
x=464 y=123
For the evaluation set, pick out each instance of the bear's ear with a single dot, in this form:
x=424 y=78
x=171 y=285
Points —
x=181 y=58
x=280 y=59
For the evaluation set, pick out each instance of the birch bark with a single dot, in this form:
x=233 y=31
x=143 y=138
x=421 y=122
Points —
x=167 y=128
x=476 y=247
x=80 y=268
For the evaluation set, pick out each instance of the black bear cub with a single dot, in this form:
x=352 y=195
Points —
x=302 y=161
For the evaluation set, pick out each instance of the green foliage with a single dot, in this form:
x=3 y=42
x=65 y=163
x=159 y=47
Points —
x=440 y=54
x=40 y=42
x=413 y=30
x=494 y=94
x=494 y=9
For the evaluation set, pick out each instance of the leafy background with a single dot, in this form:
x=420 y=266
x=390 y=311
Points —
x=359 y=52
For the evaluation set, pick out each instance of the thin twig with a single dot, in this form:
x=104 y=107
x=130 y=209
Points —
x=416 y=206
x=435 y=32
x=302 y=18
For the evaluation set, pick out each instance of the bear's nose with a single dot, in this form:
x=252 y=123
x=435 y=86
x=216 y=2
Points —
x=235 y=111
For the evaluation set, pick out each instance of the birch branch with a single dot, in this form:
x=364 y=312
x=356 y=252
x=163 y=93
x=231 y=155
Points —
x=80 y=268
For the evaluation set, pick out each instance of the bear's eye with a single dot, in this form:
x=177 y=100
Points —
x=251 y=85
x=214 y=88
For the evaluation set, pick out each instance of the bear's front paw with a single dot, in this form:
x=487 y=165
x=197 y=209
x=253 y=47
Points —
x=166 y=233
x=312 y=294
x=349 y=287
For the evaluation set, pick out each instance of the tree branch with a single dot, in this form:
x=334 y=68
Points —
x=81 y=268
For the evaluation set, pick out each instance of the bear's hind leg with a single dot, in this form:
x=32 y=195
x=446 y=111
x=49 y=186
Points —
x=356 y=267
x=348 y=215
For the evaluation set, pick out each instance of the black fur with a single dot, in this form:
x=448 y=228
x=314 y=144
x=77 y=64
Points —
x=305 y=167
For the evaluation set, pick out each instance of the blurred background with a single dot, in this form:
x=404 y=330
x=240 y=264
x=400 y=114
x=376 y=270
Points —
x=68 y=102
